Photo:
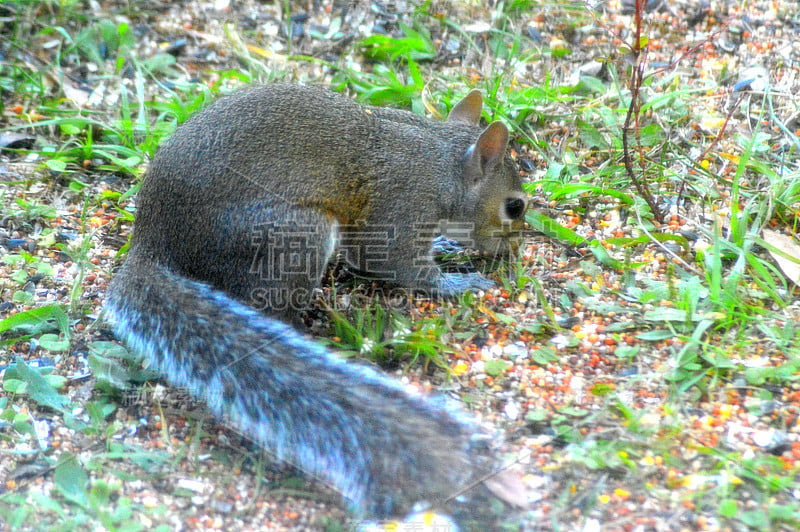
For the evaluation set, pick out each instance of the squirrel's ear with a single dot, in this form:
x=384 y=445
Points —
x=468 y=110
x=491 y=145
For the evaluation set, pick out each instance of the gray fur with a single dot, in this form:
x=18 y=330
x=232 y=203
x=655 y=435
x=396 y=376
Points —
x=220 y=194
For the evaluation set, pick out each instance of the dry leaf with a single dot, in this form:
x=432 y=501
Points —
x=507 y=486
x=790 y=247
x=78 y=96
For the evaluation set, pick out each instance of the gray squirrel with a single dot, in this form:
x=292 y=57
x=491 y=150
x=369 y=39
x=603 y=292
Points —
x=238 y=216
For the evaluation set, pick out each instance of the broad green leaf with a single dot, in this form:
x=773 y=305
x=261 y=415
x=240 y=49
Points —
x=553 y=229
x=38 y=387
x=36 y=317
x=497 y=367
x=56 y=165
x=71 y=480
x=655 y=336
x=51 y=342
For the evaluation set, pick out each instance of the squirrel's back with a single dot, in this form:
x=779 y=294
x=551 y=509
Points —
x=303 y=142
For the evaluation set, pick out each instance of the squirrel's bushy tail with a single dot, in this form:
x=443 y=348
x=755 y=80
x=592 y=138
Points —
x=382 y=446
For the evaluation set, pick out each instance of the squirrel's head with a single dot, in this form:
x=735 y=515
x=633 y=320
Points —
x=494 y=201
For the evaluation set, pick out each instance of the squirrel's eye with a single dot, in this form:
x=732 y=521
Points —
x=515 y=208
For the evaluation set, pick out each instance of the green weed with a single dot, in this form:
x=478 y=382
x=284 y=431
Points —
x=389 y=337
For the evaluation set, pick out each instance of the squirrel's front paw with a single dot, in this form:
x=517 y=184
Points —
x=444 y=246
x=452 y=284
